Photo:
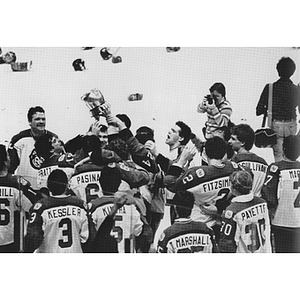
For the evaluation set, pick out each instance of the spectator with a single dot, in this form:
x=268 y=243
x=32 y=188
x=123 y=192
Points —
x=24 y=159
x=186 y=235
x=281 y=190
x=218 y=110
x=286 y=98
x=245 y=222
x=58 y=223
x=241 y=141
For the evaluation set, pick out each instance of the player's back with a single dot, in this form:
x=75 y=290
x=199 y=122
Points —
x=257 y=165
x=64 y=162
x=186 y=236
x=11 y=198
x=85 y=182
x=209 y=184
x=128 y=223
x=288 y=210
x=246 y=225
x=61 y=223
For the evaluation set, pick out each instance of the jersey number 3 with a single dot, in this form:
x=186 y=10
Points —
x=67 y=240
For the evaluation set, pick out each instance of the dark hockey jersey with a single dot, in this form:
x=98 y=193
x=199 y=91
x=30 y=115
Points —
x=209 y=185
x=186 y=236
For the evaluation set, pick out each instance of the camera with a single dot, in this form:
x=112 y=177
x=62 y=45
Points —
x=209 y=99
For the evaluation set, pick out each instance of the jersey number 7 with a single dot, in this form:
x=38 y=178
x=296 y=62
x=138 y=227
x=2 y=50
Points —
x=296 y=187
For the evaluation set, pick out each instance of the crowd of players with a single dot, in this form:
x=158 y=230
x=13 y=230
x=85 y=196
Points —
x=107 y=191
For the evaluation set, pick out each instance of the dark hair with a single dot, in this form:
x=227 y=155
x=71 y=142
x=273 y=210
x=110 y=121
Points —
x=103 y=128
x=285 y=67
x=110 y=180
x=124 y=118
x=219 y=87
x=184 y=202
x=120 y=147
x=185 y=132
x=241 y=181
x=144 y=134
x=291 y=147
x=57 y=182
x=229 y=151
x=245 y=134
x=3 y=156
x=215 y=148
x=34 y=110
x=43 y=145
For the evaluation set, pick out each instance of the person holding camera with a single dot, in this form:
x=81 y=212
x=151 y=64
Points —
x=218 y=110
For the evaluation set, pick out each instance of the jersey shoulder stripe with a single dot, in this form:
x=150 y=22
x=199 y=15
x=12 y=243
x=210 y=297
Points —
x=50 y=202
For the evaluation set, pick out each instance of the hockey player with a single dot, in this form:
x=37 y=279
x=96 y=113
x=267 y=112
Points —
x=85 y=181
x=24 y=159
x=241 y=140
x=44 y=147
x=209 y=184
x=245 y=222
x=15 y=193
x=186 y=235
x=58 y=223
x=128 y=224
x=281 y=190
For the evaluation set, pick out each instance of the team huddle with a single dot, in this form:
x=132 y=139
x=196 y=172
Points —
x=108 y=190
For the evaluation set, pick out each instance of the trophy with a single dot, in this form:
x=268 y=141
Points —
x=94 y=100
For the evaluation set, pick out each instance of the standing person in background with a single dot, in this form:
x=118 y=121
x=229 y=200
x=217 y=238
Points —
x=24 y=159
x=218 y=110
x=286 y=98
x=245 y=222
x=281 y=190
x=241 y=141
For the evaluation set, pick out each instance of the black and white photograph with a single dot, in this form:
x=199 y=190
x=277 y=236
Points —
x=131 y=152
